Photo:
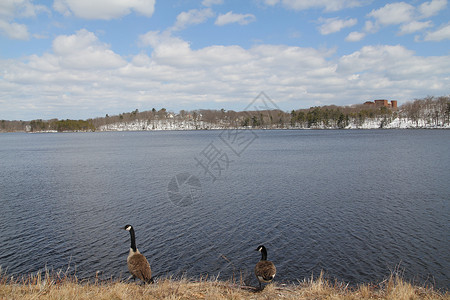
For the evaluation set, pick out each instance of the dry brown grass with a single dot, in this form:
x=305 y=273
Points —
x=60 y=286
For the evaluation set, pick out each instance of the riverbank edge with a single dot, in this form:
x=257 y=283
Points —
x=233 y=128
x=176 y=125
x=60 y=286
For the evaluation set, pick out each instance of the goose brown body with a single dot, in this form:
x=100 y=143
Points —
x=265 y=270
x=138 y=265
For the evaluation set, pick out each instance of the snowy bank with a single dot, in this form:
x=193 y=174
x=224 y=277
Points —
x=171 y=124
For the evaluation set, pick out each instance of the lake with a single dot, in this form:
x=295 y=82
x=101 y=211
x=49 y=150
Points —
x=357 y=204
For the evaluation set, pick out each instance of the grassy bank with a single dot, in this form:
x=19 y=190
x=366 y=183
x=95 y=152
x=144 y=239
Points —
x=57 y=286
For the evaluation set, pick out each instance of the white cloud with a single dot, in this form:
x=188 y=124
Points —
x=211 y=2
x=7 y=8
x=23 y=8
x=82 y=72
x=386 y=69
x=439 y=35
x=370 y=27
x=230 y=17
x=333 y=25
x=10 y=10
x=14 y=31
x=271 y=2
x=428 y=9
x=355 y=36
x=393 y=13
x=407 y=16
x=374 y=59
x=193 y=16
x=167 y=48
x=83 y=50
x=153 y=38
x=328 y=5
x=414 y=26
x=104 y=9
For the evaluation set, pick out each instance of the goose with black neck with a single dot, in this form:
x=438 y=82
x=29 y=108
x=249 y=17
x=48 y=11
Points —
x=138 y=265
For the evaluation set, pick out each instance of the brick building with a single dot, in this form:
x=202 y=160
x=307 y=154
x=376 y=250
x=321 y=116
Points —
x=382 y=102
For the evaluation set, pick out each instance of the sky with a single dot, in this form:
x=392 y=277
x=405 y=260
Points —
x=79 y=59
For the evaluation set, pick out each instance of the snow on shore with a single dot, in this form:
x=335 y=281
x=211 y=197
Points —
x=397 y=123
x=170 y=124
x=141 y=125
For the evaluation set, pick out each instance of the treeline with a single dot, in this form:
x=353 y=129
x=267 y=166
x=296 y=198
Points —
x=324 y=116
x=432 y=111
x=47 y=125
x=338 y=117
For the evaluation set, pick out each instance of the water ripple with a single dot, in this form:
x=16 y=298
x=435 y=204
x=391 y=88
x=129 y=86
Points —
x=356 y=204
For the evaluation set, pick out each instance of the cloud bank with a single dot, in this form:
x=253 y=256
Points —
x=80 y=75
x=409 y=18
x=83 y=73
x=103 y=9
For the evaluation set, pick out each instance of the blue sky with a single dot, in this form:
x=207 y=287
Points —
x=86 y=58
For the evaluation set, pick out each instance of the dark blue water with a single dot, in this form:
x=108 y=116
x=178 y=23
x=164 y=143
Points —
x=356 y=204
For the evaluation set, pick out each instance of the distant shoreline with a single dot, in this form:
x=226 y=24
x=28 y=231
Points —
x=219 y=129
x=429 y=113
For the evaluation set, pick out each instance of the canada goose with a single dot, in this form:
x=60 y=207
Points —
x=137 y=263
x=264 y=270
